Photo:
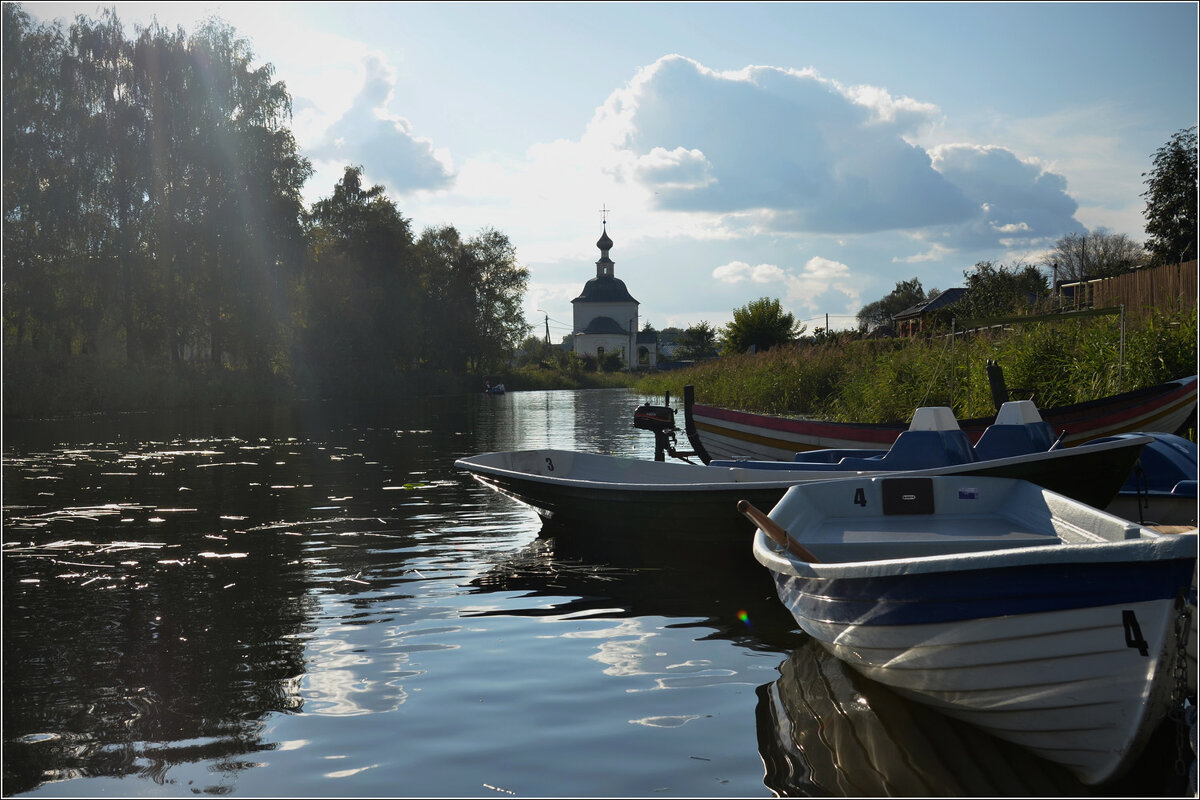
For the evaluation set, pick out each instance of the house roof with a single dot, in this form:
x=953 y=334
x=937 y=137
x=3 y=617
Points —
x=946 y=298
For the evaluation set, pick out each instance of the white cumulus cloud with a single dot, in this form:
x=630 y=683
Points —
x=738 y=271
x=370 y=135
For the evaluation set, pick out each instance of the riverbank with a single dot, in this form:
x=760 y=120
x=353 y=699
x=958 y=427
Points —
x=844 y=379
x=856 y=380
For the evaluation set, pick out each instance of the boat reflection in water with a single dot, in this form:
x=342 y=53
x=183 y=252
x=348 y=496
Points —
x=623 y=573
x=825 y=730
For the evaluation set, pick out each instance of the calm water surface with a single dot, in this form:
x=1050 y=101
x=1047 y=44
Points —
x=302 y=602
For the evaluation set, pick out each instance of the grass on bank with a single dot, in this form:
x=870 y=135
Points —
x=1052 y=363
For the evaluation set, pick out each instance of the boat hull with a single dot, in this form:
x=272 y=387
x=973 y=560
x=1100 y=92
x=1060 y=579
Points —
x=590 y=491
x=823 y=726
x=1065 y=650
x=727 y=434
x=1064 y=684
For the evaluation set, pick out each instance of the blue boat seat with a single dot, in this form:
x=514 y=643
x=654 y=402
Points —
x=1184 y=489
x=1018 y=430
x=933 y=439
x=919 y=450
x=1167 y=465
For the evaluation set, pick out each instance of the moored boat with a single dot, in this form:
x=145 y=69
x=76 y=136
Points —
x=1162 y=488
x=593 y=491
x=727 y=434
x=1037 y=618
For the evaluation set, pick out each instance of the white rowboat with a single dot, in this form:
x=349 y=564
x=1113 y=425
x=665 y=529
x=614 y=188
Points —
x=1042 y=620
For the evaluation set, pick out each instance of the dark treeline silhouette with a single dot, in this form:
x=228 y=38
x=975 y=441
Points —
x=157 y=249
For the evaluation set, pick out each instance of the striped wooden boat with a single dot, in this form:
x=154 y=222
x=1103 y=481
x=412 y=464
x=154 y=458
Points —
x=726 y=434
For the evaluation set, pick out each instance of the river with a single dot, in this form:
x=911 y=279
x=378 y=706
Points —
x=310 y=601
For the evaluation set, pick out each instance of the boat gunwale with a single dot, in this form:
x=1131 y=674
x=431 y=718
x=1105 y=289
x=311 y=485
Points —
x=744 y=476
x=1149 y=546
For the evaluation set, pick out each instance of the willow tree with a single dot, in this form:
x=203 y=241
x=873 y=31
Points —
x=473 y=289
x=151 y=192
x=38 y=207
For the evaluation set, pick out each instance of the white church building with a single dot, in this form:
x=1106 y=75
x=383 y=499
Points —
x=606 y=317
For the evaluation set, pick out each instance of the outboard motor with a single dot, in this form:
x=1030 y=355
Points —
x=659 y=420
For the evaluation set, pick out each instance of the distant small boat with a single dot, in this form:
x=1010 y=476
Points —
x=726 y=434
x=1037 y=618
x=497 y=389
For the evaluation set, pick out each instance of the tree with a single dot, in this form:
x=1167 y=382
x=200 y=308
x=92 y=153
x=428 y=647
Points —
x=760 y=324
x=473 y=315
x=536 y=351
x=38 y=207
x=906 y=295
x=499 y=323
x=1096 y=254
x=1171 y=199
x=996 y=290
x=696 y=342
x=361 y=299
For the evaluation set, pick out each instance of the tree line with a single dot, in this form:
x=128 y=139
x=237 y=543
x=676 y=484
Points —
x=153 y=222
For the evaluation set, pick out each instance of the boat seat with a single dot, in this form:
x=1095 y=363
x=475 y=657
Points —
x=1165 y=465
x=919 y=450
x=1018 y=430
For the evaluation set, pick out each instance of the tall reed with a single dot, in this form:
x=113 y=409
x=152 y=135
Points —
x=1053 y=363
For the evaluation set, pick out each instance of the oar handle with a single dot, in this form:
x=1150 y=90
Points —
x=776 y=531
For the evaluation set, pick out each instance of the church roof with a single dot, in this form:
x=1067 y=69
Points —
x=604 y=290
x=605 y=325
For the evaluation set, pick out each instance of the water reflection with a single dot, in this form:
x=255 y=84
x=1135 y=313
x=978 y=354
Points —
x=825 y=730
x=619 y=574
x=174 y=582
x=163 y=598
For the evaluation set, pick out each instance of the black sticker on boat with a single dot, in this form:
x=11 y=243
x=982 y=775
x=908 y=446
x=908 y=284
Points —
x=1133 y=633
x=907 y=496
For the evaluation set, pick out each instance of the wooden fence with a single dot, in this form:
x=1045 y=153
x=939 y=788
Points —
x=1169 y=288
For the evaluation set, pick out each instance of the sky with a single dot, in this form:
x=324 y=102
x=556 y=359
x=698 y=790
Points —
x=817 y=153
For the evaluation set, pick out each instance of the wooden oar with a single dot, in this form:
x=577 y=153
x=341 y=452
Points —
x=776 y=531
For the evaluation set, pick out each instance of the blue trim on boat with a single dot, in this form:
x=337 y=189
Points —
x=971 y=594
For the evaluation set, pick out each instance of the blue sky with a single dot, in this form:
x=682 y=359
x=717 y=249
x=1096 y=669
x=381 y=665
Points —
x=816 y=153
